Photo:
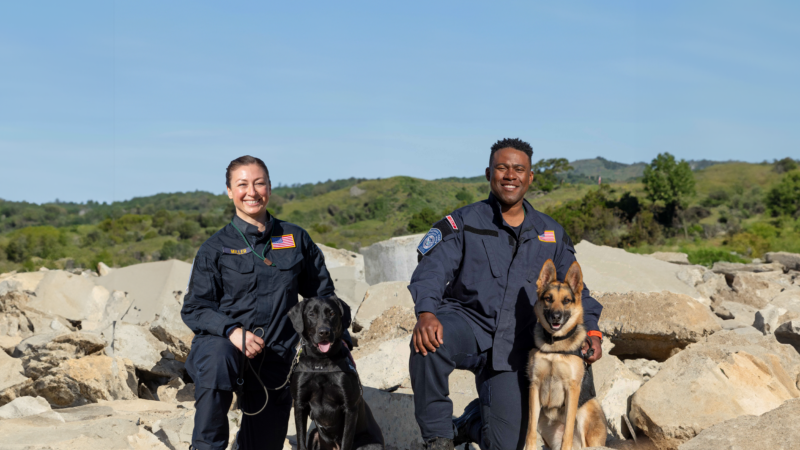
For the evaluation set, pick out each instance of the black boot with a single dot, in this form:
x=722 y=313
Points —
x=462 y=424
x=439 y=443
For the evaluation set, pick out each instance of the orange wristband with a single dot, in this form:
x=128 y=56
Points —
x=594 y=333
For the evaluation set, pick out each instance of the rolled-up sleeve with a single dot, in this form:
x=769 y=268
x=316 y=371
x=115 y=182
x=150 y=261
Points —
x=591 y=307
x=435 y=270
x=200 y=311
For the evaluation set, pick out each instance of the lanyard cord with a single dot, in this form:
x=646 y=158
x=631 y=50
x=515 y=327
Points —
x=264 y=252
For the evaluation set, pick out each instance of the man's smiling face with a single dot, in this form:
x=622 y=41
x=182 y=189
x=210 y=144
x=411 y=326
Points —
x=509 y=175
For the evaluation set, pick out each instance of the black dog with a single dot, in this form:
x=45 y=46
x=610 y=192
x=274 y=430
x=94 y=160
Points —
x=325 y=383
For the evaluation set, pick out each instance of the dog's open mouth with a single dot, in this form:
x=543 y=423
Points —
x=324 y=346
x=555 y=325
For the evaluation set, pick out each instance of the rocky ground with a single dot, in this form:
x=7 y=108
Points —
x=693 y=359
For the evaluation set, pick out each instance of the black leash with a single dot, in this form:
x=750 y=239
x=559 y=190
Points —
x=240 y=379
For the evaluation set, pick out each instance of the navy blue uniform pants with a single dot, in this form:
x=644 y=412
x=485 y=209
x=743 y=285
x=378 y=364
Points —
x=503 y=395
x=213 y=364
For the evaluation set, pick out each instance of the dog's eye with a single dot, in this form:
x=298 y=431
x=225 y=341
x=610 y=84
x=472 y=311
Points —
x=331 y=314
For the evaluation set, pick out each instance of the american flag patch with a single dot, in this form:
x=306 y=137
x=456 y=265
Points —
x=548 y=236
x=285 y=241
x=452 y=222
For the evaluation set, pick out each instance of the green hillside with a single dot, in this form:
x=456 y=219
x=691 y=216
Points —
x=730 y=212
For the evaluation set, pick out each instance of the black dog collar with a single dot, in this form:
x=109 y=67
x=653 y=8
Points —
x=340 y=364
x=553 y=339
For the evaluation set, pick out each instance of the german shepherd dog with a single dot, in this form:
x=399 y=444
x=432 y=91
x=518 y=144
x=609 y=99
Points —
x=556 y=367
x=325 y=384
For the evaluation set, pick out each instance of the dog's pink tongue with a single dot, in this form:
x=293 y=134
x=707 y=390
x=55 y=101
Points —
x=324 y=346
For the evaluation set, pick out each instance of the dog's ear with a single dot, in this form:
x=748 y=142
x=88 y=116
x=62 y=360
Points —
x=296 y=316
x=574 y=278
x=344 y=309
x=547 y=275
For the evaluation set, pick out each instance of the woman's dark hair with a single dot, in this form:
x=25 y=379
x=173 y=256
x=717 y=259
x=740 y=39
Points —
x=245 y=160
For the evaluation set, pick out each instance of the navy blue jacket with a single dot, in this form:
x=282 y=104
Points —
x=231 y=286
x=472 y=263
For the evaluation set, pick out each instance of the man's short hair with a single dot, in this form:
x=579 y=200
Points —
x=516 y=144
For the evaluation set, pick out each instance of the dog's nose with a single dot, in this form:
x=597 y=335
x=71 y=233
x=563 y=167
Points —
x=557 y=315
x=324 y=332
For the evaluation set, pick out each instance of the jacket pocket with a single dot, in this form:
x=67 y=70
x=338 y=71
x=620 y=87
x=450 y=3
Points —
x=237 y=278
x=290 y=268
x=238 y=263
x=487 y=245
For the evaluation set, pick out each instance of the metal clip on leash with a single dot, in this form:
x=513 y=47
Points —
x=240 y=380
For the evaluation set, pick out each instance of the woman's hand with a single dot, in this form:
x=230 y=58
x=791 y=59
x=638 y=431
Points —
x=253 y=344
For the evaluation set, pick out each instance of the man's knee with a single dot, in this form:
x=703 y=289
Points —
x=458 y=343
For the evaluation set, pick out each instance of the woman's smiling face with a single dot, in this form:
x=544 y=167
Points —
x=250 y=190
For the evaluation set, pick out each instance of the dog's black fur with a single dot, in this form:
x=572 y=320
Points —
x=332 y=399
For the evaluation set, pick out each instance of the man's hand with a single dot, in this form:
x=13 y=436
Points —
x=596 y=345
x=253 y=344
x=428 y=334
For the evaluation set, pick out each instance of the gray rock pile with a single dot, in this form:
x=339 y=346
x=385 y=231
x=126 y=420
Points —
x=693 y=357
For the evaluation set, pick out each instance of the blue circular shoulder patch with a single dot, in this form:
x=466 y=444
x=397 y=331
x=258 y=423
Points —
x=430 y=240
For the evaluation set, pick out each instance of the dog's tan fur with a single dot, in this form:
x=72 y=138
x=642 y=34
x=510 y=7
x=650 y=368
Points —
x=555 y=377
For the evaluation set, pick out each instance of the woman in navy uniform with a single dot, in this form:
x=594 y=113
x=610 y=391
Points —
x=244 y=280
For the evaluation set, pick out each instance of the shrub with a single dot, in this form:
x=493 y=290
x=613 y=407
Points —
x=785 y=165
x=464 y=196
x=43 y=242
x=423 y=220
x=175 y=250
x=589 y=218
x=708 y=256
x=629 y=205
x=321 y=228
x=188 y=228
x=785 y=197
x=643 y=229
x=716 y=198
x=749 y=244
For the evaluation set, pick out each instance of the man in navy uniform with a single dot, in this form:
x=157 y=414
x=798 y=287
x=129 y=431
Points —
x=474 y=290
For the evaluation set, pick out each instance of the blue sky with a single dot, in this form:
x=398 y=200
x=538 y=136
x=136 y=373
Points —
x=111 y=100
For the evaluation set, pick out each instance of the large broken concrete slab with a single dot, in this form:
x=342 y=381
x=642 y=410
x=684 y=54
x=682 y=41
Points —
x=337 y=257
x=789 y=260
x=610 y=269
x=74 y=297
x=653 y=325
x=775 y=429
x=26 y=281
x=12 y=379
x=149 y=287
x=126 y=424
x=719 y=379
x=348 y=287
x=391 y=260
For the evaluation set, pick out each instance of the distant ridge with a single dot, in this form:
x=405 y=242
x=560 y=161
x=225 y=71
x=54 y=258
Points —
x=587 y=170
